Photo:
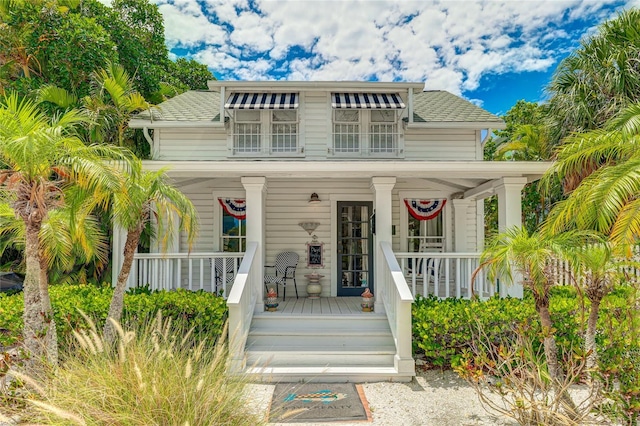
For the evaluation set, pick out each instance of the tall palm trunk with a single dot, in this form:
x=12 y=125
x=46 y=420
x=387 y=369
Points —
x=51 y=338
x=33 y=318
x=590 y=334
x=117 y=302
x=551 y=354
x=550 y=349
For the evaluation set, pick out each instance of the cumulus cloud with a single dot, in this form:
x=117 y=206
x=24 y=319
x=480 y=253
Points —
x=448 y=45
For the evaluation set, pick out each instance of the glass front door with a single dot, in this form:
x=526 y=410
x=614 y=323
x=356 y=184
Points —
x=355 y=248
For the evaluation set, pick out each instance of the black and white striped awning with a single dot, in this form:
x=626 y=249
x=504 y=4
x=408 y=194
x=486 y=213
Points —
x=367 y=100
x=262 y=101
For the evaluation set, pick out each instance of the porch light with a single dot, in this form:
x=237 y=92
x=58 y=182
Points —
x=314 y=199
x=309 y=226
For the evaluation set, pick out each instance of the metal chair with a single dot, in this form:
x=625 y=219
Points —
x=285 y=269
x=226 y=274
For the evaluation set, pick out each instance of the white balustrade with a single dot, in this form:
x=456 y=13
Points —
x=191 y=271
x=445 y=275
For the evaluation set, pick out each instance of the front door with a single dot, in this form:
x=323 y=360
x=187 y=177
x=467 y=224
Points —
x=355 y=247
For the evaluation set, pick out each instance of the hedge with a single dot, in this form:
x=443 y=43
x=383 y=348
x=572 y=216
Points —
x=442 y=329
x=206 y=312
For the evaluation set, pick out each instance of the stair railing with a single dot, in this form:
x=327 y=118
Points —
x=397 y=299
x=241 y=304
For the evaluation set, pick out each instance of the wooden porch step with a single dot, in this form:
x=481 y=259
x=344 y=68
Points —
x=320 y=323
x=327 y=374
x=319 y=339
x=353 y=346
x=306 y=356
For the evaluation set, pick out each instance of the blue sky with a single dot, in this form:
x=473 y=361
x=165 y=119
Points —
x=490 y=52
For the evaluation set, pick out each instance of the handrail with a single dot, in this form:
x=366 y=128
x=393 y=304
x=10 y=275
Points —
x=397 y=300
x=198 y=255
x=396 y=272
x=241 y=304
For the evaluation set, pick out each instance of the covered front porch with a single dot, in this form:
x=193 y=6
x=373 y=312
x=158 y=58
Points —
x=367 y=240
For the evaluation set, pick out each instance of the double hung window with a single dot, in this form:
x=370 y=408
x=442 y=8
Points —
x=366 y=124
x=346 y=131
x=247 y=135
x=264 y=123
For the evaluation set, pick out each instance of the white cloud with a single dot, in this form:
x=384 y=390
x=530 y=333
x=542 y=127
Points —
x=185 y=25
x=449 y=45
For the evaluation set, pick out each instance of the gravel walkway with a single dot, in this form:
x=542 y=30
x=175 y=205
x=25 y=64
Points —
x=432 y=398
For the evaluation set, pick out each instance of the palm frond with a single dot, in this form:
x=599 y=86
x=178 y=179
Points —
x=628 y=121
x=57 y=96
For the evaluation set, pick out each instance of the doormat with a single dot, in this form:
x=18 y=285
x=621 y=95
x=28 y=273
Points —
x=318 y=402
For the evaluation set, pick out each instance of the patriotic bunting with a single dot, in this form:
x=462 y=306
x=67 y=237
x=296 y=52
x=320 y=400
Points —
x=235 y=207
x=425 y=209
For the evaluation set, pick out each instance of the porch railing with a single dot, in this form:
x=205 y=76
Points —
x=212 y=272
x=397 y=300
x=445 y=275
x=241 y=303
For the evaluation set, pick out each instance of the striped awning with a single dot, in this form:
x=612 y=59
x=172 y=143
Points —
x=262 y=101
x=367 y=101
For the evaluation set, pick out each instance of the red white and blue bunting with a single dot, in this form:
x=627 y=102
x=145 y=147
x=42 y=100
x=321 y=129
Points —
x=235 y=207
x=425 y=209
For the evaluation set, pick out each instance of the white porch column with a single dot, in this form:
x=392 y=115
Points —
x=381 y=187
x=461 y=224
x=256 y=190
x=509 y=192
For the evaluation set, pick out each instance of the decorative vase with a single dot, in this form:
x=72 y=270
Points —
x=313 y=287
x=367 y=301
x=272 y=300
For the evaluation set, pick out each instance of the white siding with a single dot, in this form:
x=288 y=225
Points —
x=192 y=144
x=440 y=144
x=316 y=113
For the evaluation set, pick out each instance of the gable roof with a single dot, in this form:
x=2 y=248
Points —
x=438 y=106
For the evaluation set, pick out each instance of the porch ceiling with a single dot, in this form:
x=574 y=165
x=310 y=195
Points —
x=462 y=174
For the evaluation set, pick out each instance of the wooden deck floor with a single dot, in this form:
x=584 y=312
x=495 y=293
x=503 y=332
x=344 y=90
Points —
x=321 y=306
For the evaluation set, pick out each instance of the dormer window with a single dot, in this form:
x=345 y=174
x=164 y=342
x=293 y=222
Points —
x=264 y=123
x=366 y=124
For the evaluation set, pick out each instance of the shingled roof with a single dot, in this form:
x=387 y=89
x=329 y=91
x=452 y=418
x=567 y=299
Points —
x=433 y=106
x=437 y=106
x=188 y=106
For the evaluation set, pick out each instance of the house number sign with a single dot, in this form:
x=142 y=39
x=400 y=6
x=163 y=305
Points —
x=314 y=255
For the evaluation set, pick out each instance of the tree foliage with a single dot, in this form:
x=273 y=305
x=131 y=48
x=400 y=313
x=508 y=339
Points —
x=62 y=42
x=598 y=79
x=525 y=138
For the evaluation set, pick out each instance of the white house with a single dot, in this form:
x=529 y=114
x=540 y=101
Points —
x=387 y=179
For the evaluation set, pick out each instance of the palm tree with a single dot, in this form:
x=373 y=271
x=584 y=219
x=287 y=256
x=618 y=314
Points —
x=595 y=271
x=62 y=248
x=40 y=157
x=528 y=142
x=598 y=79
x=142 y=198
x=113 y=101
x=607 y=200
x=530 y=256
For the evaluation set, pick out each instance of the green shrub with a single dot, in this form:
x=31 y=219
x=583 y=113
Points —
x=442 y=329
x=203 y=311
x=155 y=374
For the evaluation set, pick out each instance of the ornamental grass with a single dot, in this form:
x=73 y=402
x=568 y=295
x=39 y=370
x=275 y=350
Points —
x=154 y=374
